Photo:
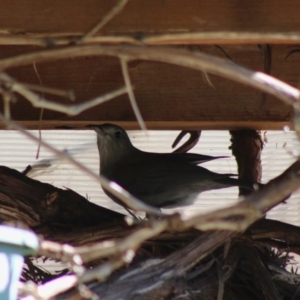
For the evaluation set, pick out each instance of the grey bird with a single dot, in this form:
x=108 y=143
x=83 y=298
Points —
x=157 y=179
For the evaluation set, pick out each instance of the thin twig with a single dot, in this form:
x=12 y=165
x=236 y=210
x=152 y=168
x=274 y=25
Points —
x=131 y=94
x=207 y=80
x=40 y=133
x=41 y=112
x=6 y=103
x=72 y=110
x=221 y=281
x=47 y=90
x=111 y=14
x=39 y=78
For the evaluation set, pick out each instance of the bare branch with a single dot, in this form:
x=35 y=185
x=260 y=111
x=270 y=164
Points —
x=224 y=38
x=60 y=40
x=47 y=90
x=108 y=248
x=7 y=97
x=72 y=110
x=197 y=38
x=41 y=112
x=131 y=94
x=276 y=190
x=111 y=14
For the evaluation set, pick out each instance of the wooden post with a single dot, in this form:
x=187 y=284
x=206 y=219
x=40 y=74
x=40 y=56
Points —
x=246 y=147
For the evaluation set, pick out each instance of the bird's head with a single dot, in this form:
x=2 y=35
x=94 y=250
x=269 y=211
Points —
x=113 y=143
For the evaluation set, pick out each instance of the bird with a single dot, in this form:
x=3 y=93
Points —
x=161 y=180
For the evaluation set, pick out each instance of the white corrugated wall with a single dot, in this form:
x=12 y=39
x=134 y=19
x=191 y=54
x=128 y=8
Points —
x=17 y=152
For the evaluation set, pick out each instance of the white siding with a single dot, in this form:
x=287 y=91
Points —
x=17 y=152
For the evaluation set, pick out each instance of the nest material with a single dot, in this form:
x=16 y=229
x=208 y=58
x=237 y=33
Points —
x=186 y=264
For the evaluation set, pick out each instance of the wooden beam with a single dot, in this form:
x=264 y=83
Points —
x=144 y=17
x=167 y=95
x=133 y=125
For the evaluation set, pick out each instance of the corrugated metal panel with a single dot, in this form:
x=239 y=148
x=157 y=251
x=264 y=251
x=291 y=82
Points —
x=17 y=152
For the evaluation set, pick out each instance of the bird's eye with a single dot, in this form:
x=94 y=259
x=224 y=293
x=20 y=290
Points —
x=118 y=134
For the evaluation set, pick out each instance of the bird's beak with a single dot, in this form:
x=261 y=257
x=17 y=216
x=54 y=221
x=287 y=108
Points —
x=97 y=128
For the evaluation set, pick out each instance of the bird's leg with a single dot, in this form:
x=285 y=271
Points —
x=189 y=144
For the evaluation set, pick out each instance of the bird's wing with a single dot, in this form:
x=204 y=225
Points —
x=156 y=177
x=140 y=178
